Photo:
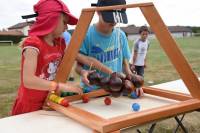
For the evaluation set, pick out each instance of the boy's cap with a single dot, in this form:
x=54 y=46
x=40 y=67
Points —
x=113 y=16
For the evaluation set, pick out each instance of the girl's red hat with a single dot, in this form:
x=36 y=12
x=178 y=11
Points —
x=48 y=12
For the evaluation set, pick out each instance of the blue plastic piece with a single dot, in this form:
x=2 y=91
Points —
x=87 y=90
x=135 y=107
x=133 y=95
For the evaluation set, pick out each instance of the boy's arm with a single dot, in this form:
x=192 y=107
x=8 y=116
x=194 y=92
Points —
x=145 y=64
x=94 y=63
x=126 y=55
x=127 y=69
x=82 y=59
x=128 y=72
x=135 y=49
x=145 y=60
x=84 y=73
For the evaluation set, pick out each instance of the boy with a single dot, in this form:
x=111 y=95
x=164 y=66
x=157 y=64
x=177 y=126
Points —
x=140 y=51
x=106 y=43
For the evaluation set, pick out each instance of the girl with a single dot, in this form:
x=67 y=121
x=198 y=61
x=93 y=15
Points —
x=42 y=52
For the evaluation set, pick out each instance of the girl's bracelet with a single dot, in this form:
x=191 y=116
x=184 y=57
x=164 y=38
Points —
x=54 y=86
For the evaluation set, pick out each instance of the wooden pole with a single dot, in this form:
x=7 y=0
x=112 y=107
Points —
x=142 y=117
x=167 y=94
x=74 y=46
x=88 y=119
x=118 y=7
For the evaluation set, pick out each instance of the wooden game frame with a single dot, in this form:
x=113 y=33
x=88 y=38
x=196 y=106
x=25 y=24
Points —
x=186 y=102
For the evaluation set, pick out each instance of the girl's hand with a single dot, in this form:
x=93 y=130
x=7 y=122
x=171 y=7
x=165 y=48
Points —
x=69 y=88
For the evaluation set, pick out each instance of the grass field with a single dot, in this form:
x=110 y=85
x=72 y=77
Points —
x=159 y=70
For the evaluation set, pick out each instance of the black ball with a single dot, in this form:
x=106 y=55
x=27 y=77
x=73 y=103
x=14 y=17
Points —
x=104 y=82
x=94 y=78
x=116 y=84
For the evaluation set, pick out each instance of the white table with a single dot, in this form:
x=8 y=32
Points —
x=51 y=121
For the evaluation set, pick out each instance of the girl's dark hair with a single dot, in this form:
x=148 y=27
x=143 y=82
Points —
x=143 y=28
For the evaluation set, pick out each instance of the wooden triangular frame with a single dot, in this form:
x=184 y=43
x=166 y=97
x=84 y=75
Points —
x=98 y=124
x=163 y=35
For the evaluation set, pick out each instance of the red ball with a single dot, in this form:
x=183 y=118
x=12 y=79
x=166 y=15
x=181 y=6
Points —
x=85 y=99
x=107 y=101
x=65 y=102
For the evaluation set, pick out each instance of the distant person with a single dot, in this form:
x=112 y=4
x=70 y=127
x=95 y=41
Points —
x=140 y=49
x=67 y=37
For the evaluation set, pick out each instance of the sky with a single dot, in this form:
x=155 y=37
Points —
x=173 y=12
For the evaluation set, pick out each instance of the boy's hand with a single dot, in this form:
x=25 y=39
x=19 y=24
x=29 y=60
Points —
x=69 y=88
x=84 y=74
x=139 y=91
x=132 y=67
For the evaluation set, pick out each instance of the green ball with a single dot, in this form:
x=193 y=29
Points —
x=84 y=91
x=71 y=93
x=64 y=94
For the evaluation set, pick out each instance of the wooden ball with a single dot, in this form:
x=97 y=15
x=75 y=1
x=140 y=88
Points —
x=116 y=84
x=52 y=97
x=107 y=101
x=64 y=102
x=94 y=78
x=85 y=99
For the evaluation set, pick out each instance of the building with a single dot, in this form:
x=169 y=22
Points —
x=11 y=33
x=131 y=32
x=15 y=33
x=21 y=27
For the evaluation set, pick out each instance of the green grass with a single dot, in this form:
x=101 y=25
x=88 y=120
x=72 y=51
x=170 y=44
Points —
x=9 y=77
x=159 y=69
